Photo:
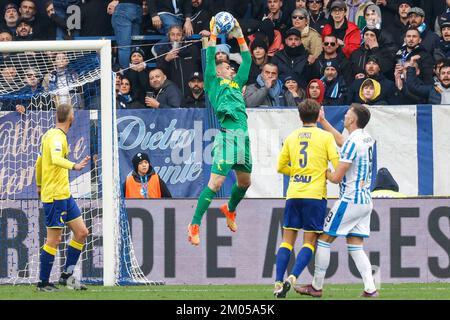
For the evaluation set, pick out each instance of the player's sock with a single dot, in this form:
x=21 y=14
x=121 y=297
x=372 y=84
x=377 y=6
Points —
x=73 y=253
x=203 y=203
x=302 y=260
x=283 y=256
x=364 y=267
x=321 y=264
x=237 y=194
x=46 y=262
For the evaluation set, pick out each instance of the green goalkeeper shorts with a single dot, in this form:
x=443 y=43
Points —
x=231 y=151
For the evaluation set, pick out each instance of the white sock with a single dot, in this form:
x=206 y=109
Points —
x=364 y=267
x=322 y=261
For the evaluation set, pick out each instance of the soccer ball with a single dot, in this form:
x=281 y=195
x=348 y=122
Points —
x=224 y=22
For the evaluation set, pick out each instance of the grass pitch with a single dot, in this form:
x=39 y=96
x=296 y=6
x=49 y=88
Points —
x=406 y=291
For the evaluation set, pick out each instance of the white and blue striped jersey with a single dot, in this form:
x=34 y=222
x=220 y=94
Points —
x=357 y=150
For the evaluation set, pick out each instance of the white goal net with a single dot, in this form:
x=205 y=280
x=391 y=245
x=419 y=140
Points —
x=34 y=78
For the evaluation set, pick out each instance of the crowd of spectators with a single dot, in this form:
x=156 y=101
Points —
x=374 y=52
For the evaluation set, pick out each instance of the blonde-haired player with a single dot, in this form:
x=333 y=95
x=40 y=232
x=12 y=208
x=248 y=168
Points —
x=52 y=180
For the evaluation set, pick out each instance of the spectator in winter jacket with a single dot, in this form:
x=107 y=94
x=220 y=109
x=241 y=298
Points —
x=196 y=95
x=404 y=95
x=124 y=98
x=277 y=14
x=258 y=50
x=268 y=89
x=331 y=51
x=370 y=92
x=443 y=50
x=11 y=16
x=317 y=16
x=373 y=71
x=335 y=86
x=398 y=27
x=138 y=74
x=165 y=93
x=293 y=94
x=348 y=34
x=165 y=14
x=293 y=58
x=24 y=31
x=311 y=39
x=179 y=62
x=316 y=90
x=371 y=46
x=386 y=186
x=143 y=182
x=437 y=93
x=430 y=40
x=413 y=48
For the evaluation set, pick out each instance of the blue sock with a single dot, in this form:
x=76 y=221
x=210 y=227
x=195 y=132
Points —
x=73 y=253
x=302 y=260
x=283 y=256
x=46 y=262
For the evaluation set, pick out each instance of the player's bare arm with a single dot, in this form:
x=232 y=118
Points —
x=338 y=174
x=328 y=127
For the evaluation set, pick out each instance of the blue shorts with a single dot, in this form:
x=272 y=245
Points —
x=306 y=214
x=60 y=212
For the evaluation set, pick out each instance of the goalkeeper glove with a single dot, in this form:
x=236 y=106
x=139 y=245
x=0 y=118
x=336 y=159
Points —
x=236 y=32
x=212 y=26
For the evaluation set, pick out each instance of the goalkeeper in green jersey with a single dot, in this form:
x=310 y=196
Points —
x=231 y=149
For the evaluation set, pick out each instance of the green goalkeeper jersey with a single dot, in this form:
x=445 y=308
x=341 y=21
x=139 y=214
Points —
x=226 y=95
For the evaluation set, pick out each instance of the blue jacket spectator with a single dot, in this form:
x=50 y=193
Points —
x=437 y=93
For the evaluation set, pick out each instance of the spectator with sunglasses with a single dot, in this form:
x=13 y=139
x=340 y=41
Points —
x=317 y=16
x=331 y=51
x=311 y=39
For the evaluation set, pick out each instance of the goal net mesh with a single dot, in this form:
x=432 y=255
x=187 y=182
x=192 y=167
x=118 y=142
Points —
x=32 y=85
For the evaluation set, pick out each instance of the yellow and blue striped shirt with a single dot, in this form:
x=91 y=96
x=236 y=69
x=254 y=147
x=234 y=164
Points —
x=52 y=166
x=308 y=150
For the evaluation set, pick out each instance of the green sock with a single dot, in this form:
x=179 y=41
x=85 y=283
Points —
x=202 y=205
x=237 y=194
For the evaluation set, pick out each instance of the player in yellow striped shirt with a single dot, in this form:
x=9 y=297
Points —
x=304 y=158
x=52 y=180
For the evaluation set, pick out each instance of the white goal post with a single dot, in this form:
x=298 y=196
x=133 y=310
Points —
x=103 y=47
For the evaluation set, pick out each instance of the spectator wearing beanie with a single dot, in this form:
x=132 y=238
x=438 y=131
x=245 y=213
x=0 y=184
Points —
x=373 y=71
x=273 y=37
x=24 y=31
x=258 y=50
x=293 y=93
x=443 y=51
x=399 y=25
x=348 y=33
x=371 y=46
x=143 y=182
x=335 y=86
x=316 y=90
x=443 y=17
x=137 y=73
x=311 y=39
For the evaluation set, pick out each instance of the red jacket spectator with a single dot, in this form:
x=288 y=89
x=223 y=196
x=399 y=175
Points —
x=352 y=38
